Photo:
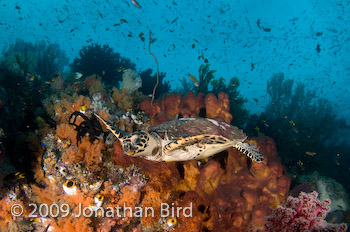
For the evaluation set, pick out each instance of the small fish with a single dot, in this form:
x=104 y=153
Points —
x=265 y=123
x=252 y=66
x=300 y=163
x=258 y=23
x=78 y=75
x=318 y=48
x=255 y=99
x=193 y=45
x=14 y=179
x=136 y=3
x=174 y=20
x=194 y=79
x=30 y=77
x=206 y=61
x=111 y=99
x=121 y=69
x=310 y=153
x=291 y=122
x=20 y=175
x=123 y=21
x=295 y=130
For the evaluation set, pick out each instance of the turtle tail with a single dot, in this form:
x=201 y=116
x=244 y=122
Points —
x=250 y=150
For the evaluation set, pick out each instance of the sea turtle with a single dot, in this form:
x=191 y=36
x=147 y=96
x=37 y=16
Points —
x=185 y=139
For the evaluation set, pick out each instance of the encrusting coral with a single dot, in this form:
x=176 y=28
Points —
x=172 y=105
x=226 y=193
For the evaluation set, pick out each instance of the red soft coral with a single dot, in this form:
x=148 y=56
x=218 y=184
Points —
x=305 y=213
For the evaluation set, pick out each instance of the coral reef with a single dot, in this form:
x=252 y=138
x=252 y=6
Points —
x=173 y=105
x=305 y=129
x=225 y=194
x=102 y=61
x=328 y=188
x=232 y=196
x=305 y=213
x=80 y=164
x=39 y=59
x=235 y=99
x=25 y=72
x=149 y=81
x=131 y=81
x=206 y=79
x=20 y=63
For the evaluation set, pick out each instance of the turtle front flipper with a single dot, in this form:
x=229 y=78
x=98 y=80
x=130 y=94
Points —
x=250 y=150
x=115 y=131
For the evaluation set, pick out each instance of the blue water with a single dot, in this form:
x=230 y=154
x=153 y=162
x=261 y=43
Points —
x=227 y=33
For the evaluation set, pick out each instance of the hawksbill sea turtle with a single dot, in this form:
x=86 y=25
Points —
x=185 y=139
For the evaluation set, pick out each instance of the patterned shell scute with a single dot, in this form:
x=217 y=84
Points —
x=187 y=127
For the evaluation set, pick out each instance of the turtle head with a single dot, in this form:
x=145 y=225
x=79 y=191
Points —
x=138 y=144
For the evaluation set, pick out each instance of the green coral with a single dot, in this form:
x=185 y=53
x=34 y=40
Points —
x=205 y=76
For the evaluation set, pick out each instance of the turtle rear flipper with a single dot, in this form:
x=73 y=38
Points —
x=250 y=150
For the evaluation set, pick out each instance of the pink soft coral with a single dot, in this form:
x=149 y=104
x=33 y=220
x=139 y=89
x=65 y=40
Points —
x=305 y=213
